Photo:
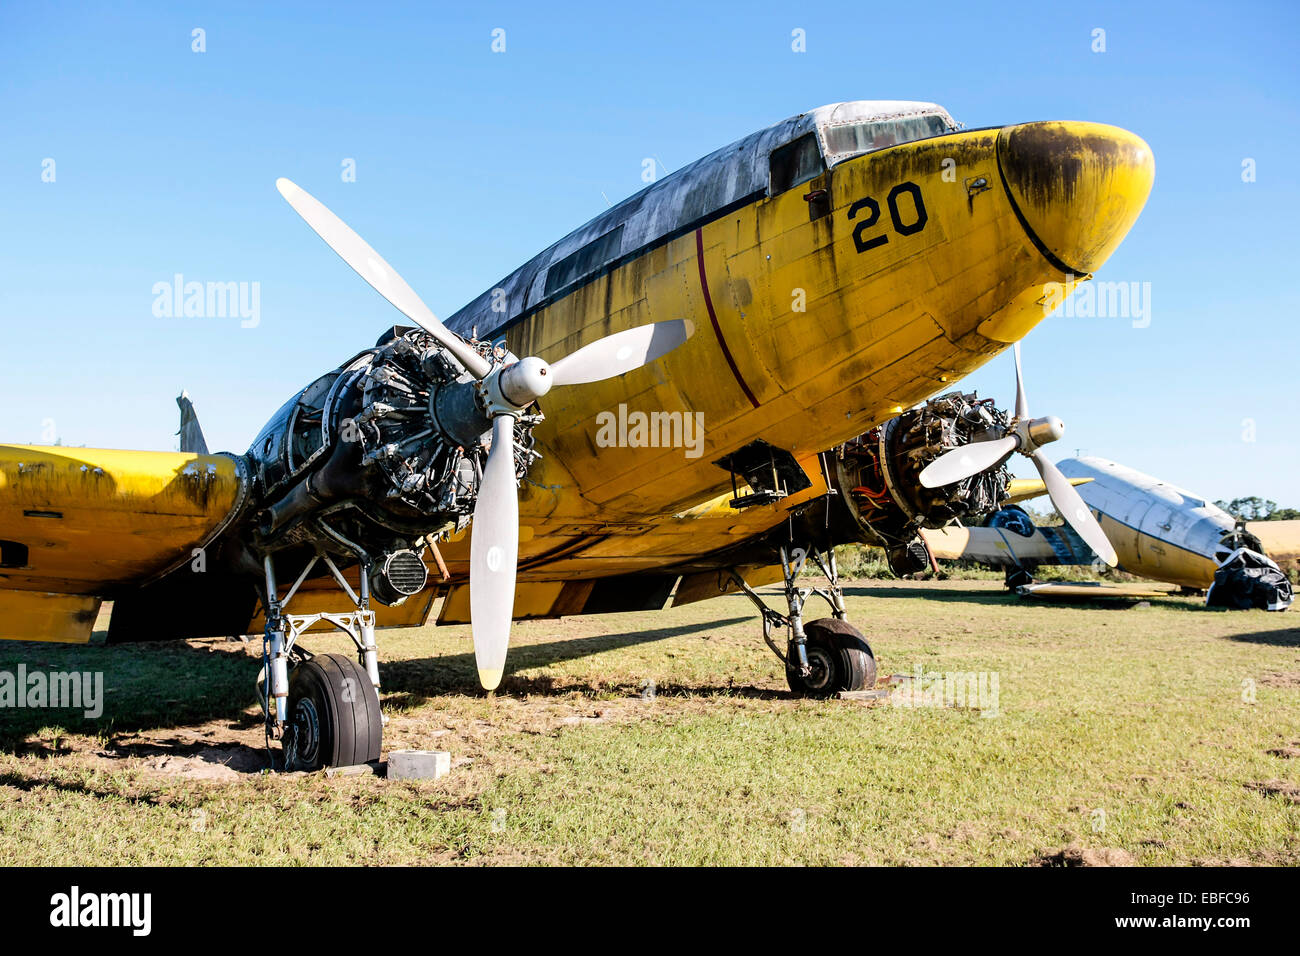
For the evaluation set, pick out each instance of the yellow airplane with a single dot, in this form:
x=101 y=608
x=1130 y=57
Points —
x=689 y=354
x=1160 y=531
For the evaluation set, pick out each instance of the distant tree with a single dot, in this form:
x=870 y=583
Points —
x=1047 y=517
x=1255 y=508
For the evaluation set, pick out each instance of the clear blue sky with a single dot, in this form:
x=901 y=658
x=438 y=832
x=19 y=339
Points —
x=469 y=161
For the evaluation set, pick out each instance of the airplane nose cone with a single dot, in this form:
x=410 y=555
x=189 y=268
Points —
x=1077 y=187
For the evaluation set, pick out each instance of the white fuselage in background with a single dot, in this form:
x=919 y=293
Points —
x=1159 y=530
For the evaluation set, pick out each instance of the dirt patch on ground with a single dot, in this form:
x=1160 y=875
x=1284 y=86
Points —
x=1084 y=856
x=232 y=751
x=1286 y=753
x=1277 y=788
x=1281 y=679
x=217 y=751
x=216 y=764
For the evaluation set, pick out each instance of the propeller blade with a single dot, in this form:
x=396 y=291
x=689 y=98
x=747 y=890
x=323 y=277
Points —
x=493 y=554
x=966 y=460
x=1022 y=402
x=1073 y=509
x=382 y=277
x=621 y=352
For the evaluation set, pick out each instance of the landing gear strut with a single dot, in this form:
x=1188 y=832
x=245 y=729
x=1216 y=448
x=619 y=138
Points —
x=324 y=709
x=827 y=655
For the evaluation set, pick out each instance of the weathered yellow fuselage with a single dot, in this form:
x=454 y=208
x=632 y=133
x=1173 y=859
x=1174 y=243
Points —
x=809 y=331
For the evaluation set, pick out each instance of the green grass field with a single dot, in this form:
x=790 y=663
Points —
x=1159 y=734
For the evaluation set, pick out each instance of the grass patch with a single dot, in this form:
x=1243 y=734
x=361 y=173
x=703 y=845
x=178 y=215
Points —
x=670 y=738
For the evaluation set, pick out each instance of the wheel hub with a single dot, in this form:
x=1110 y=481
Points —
x=821 y=668
x=302 y=744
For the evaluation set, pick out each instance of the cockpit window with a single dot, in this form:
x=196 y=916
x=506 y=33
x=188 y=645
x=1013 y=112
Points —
x=854 y=139
x=585 y=260
x=794 y=163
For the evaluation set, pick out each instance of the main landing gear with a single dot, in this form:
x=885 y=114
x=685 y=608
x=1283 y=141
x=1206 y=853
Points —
x=822 y=657
x=324 y=709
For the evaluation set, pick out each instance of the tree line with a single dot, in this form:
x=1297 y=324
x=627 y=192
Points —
x=1255 y=508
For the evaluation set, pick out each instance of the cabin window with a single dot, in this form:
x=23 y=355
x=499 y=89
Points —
x=794 y=163
x=854 y=139
x=584 y=261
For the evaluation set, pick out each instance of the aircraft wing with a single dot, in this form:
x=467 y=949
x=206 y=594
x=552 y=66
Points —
x=1003 y=547
x=1088 y=590
x=78 y=523
x=1022 y=489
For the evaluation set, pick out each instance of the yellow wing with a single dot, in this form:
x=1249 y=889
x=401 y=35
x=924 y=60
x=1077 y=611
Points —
x=77 y=522
x=1022 y=489
x=1088 y=590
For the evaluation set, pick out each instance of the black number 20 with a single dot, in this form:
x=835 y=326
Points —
x=873 y=215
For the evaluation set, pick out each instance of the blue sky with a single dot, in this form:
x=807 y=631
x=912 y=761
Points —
x=469 y=161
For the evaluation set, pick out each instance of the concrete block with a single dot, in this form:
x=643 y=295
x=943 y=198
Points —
x=880 y=694
x=418 y=764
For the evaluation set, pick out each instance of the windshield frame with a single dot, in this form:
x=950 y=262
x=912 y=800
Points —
x=938 y=122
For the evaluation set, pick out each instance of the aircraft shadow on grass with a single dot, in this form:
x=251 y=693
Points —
x=1003 y=598
x=941 y=595
x=151 y=687
x=143 y=687
x=1282 y=637
x=412 y=681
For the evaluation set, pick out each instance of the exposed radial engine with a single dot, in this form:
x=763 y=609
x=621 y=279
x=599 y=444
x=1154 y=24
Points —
x=383 y=454
x=877 y=474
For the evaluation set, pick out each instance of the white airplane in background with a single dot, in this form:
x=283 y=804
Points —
x=1158 y=530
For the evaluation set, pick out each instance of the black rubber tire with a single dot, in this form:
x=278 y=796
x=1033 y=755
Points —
x=1018 y=577
x=840 y=658
x=334 y=718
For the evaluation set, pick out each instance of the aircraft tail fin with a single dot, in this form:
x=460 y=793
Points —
x=192 y=439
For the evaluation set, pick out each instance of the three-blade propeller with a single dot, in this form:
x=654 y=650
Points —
x=508 y=389
x=1027 y=436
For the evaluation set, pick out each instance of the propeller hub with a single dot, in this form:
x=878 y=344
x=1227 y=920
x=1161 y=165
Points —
x=1042 y=431
x=526 y=381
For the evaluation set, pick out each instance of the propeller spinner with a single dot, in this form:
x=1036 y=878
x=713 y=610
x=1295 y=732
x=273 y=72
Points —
x=1028 y=435
x=506 y=390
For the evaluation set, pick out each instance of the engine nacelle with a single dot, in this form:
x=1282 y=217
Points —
x=882 y=500
x=380 y=455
